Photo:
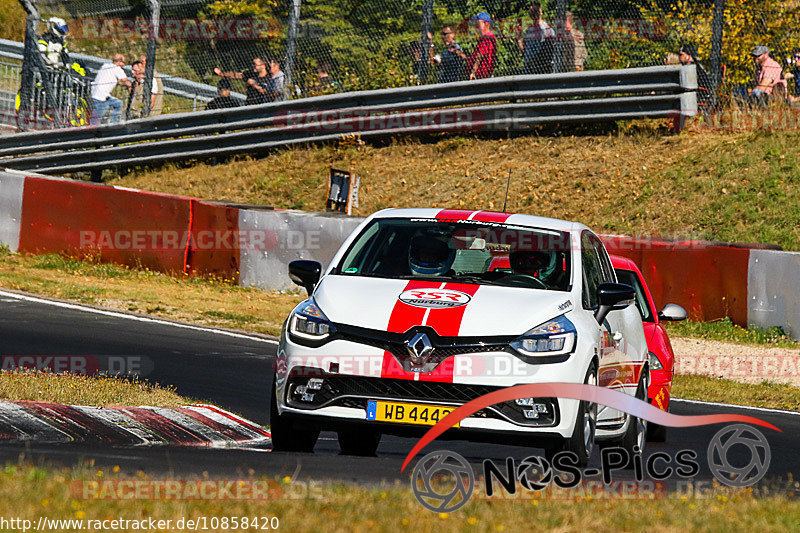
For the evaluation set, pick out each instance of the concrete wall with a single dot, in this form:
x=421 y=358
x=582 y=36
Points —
x=773 y=290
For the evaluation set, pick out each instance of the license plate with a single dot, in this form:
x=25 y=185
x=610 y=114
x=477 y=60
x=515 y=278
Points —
x=407 y=413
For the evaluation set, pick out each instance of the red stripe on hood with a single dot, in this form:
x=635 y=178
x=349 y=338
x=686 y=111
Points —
x=446 y=322
x=403 y=318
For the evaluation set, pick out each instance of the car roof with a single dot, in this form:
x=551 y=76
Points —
x=517 y=219
x=623 y=262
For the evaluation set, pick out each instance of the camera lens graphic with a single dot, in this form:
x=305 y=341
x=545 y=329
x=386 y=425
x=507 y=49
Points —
x=443 y=481
x=740 y=436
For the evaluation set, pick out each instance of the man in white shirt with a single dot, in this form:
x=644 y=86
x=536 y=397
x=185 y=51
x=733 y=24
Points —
x=109 y=76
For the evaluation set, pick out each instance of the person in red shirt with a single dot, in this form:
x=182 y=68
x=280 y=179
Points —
x=768 y=74
x=482 y=60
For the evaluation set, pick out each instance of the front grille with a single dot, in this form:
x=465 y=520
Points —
x=354 y=391
x=444 y=347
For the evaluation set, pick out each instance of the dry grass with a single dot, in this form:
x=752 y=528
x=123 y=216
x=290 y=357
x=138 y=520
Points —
x=709 y=389
x=199 y=301
x=727 y=186
x=40 y=492
x=82 y=390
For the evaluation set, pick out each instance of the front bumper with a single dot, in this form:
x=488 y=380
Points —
x=341 y=400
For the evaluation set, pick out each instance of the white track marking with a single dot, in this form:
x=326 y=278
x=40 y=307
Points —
x=225 y=421
x=214 y=438
x=734 y=406
x=119 y=420
x=115 y=314
x=29 y=426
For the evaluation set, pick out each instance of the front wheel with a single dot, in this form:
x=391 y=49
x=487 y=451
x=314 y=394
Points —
x=581 y=443
x=285 y=437
x=635 y=436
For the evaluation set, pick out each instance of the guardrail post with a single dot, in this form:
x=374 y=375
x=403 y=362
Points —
x=291 y=41
x=152 y=46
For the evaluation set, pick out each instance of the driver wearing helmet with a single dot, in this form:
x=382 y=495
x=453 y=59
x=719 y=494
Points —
x=539 y=264
x=52 y=44
x=430 y=254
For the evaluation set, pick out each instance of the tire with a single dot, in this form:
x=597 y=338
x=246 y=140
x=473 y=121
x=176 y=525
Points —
x=362 y=442
x=581 y=443
x=286 y=437
x=635 y=435
x=656 y=432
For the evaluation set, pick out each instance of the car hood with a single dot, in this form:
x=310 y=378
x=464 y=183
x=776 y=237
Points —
x=449 y=308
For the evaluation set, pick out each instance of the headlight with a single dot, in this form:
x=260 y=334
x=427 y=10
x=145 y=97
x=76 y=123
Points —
x=555 y=337
x=309 y=322
x=655 y=364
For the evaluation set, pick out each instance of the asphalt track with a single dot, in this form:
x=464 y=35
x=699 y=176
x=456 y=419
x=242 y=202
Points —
x=234 y=371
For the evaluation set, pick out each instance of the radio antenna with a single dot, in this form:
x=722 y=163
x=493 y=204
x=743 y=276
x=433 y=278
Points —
x=508 y=184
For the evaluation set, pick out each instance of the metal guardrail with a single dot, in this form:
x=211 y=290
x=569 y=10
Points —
x=173 y=85
x=495 y=104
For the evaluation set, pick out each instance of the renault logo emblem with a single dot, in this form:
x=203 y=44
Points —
x=419 y=347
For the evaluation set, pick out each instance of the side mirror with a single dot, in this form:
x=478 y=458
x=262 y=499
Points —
x=305 y=273
x=613 y=297
x=672 y=313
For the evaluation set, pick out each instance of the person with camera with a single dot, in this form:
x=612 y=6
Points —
x=452 y=59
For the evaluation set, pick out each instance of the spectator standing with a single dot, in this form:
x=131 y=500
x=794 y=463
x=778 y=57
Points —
x=258 y=81
x=109 y=76
x=482 y=60
x=687 y=55
x=574 y=46
x=451 y=60
x=157 y=92
x=136 y=100
x=415 y=49
x=768 y=74
x=277 y=89
x=223 y=99
x=136 y=93
x=536 y=44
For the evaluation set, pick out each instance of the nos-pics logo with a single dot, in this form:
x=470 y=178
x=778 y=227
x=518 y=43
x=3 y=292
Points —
x=443 y=481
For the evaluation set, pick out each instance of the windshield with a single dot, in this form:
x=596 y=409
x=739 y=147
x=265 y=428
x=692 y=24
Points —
x=466 y=251
x=629 y=277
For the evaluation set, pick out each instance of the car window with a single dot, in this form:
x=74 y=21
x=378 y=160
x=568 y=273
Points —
x=629 y=277
x=592 y=270
x=468 y=251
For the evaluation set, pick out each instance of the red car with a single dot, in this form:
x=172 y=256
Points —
x=662 y=359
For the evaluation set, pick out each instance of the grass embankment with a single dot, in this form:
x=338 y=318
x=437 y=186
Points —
x=735 y=187
x=82 y=390
x=40 y=492
x=201 y=301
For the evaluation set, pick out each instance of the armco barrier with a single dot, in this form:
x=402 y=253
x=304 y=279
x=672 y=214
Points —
x=119 y=225
x=302 y=236
x=11 y=186
x=773 y=290
x=708 y=280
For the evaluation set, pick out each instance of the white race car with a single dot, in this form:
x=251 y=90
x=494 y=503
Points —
x=423 y=310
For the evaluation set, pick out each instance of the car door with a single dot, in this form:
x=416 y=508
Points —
x=617 y=369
